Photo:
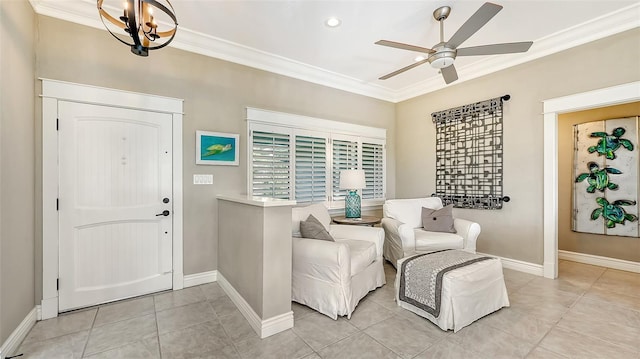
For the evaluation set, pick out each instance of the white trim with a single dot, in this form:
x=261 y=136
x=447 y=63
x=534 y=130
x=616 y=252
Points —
x=191 y=280
x=54 y=91
x=550 y=195
x=619 y=94
x=607 y=262
x=178 y=210
x=520 y=266
x=277 y=324
x=242 y=305
x=256 y=201
x=256 y=115
x=84 y=13
x=264 y=328
x=614 y=95
x=17 y=336
x=49 y=212
x=49 y=306
x=74 y=92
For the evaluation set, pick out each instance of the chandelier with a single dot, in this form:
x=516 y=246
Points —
x=141 y=20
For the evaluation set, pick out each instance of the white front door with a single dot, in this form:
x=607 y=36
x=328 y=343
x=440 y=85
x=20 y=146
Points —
x=115 y=203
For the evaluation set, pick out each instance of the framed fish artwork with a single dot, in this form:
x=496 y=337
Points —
x=216 y=148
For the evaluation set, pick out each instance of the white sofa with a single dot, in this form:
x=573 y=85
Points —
x=332 y=277
x=402 y=223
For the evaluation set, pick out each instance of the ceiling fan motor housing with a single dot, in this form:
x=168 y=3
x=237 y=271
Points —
x=443 y=57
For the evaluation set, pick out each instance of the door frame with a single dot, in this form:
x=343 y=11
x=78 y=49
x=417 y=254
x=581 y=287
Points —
x=54 y=91
x=615 y=95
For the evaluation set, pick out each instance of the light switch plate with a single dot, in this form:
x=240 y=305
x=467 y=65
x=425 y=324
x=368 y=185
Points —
x=202 y=179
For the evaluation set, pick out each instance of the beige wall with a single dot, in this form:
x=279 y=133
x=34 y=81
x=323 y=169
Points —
x=256 y=258
x=216 y=94
x=626 y=248
x=17 y=64
x=516 y=231
x=241 y=250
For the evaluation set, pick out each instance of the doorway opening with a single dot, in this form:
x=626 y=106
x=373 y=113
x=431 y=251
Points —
x=620 y=94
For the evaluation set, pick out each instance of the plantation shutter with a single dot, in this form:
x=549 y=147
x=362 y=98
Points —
x=373 y=166
x=300 y=158
x=271 y=164
x=345 y=157
x=311 y=169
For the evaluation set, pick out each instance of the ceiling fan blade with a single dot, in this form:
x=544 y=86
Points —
x=475 y=22
x=494 y=49
x=403 y=69
x=399 y=45
x=449 y=74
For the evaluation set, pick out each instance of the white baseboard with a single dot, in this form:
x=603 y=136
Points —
x=48 y=308
x=277 y=324
x=613 y=263
x=13 y=342
x=264 y=328
x=521 y=266
x=191 y=280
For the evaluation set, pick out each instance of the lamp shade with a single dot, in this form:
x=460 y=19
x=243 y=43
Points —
x=352 y=179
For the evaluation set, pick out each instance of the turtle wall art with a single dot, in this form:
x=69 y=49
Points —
x=608 y=144
x=613 y=212
x=598 y=178
x=605 y=172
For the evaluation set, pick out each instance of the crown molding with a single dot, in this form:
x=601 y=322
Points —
x=84 y=12
x=225 y=50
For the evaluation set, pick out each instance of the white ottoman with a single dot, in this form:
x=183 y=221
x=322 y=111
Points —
x=468 y=293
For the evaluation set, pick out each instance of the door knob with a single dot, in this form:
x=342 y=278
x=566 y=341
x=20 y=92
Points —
x=164 y=213
x=165 y=200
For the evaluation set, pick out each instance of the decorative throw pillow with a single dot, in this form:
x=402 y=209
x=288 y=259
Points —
x=312 y=228
x=440 y=220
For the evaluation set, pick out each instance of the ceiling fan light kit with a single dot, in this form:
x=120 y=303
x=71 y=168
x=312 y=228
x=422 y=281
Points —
x=442 y=55
x=442 y=58
x=140 y=21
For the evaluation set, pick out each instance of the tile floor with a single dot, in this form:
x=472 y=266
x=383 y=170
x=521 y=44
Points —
x=589 y=312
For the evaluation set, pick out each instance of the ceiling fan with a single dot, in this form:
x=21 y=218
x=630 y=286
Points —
x=443 y=54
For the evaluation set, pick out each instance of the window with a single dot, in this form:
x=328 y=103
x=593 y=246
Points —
x=311 y=169
x=296 y=157
x=373 y=165
x=271 y=165
x=345 y=157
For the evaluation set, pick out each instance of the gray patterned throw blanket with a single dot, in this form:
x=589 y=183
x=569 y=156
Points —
x=421 y=277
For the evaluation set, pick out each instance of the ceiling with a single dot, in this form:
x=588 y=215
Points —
x=290 y=37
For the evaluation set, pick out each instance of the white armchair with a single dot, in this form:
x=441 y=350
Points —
x=404 y=235
x=332 y=277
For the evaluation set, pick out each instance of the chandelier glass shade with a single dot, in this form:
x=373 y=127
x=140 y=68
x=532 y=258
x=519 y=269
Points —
x=144 y=24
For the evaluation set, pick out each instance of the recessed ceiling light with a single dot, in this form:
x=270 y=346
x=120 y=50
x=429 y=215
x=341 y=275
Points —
x=419 y=58
x=333 y=22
